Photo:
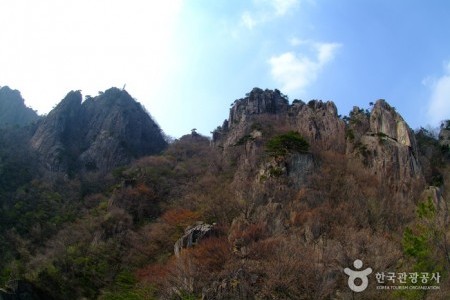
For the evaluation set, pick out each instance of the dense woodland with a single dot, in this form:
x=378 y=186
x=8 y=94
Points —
x=111 y=235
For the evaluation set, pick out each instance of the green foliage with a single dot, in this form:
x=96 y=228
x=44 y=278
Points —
x=423 y=244
x=127 y=287
x=275 y=171
x=284 y=144
x=426 y=210
x=415 y=245
x=188 y=296
x=350 y=134
x=257 y=126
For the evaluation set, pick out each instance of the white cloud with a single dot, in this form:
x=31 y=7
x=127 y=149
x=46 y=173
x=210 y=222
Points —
x=283 y=6
x=248 y=20
x=439 y=103
x=297 y=42
x=267 y=10
x=295 y=71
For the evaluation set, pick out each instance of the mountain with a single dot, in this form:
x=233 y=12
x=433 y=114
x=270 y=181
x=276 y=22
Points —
x=13 y=110
x=98 y=134
x=276 y=205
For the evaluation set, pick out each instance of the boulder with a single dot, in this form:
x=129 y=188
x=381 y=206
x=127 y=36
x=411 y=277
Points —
x=192 y=236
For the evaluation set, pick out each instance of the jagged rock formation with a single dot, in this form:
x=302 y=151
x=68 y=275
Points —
x=381 y=140
x=386 y=145
x=378 y=140
x=257 y=102
x=13 y=110
x=192 y=236
x=444 y=134
x=96 y=135
x=320 y=124
x=317 y=121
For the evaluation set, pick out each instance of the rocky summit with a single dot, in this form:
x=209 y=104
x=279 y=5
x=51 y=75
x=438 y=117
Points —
x=98 y=134
x=379 y=139
x=13 y=110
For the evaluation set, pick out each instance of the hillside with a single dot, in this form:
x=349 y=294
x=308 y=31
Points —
x=276 y=205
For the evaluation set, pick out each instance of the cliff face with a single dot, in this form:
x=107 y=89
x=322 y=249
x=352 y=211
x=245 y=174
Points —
x=444 y=134
x=13 y=110
x=96 y=135
x=317 y=121
x=380 y=140
x=386 y=145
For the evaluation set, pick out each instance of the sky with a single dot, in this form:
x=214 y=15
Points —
x=186 y=61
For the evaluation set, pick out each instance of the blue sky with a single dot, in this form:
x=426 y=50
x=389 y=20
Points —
x=187 y=61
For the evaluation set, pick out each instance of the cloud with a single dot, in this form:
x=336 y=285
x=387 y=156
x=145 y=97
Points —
x=248 y=20
x=295 y=71
x=267 y=10
x=439 y=102
x=297 y=42
x=283 y=6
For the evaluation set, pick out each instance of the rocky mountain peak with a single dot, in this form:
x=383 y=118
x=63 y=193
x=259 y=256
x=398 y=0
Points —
x=385 y=144
x=71 y=102
x=384 y=119
x=258 y=101
x=98 y=134
x=317 y=121
x=13 y=110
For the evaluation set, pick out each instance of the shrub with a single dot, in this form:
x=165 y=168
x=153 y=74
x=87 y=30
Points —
x=283 y=144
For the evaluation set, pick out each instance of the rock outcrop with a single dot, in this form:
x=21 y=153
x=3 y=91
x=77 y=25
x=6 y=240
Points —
x=96 y=135
x=386 y=145
x=192 y=236
x=444 y=134
x=257 y=102
x=317 y=121
x=13 y=110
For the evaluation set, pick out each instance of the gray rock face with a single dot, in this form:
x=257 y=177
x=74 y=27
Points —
x=319 y=123
x=258 y=101
x=386 y=145
x=380 y=139
x=444 y=134
x=192 y=236
x=13 y=110
x=385 y=120
x=96 y=135
x=316 y=121
x=299 y=167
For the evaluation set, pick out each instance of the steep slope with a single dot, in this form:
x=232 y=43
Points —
x=96 y=135
x=387 y=147
x=380 y=140
x=13 y=110
x=317 y=121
